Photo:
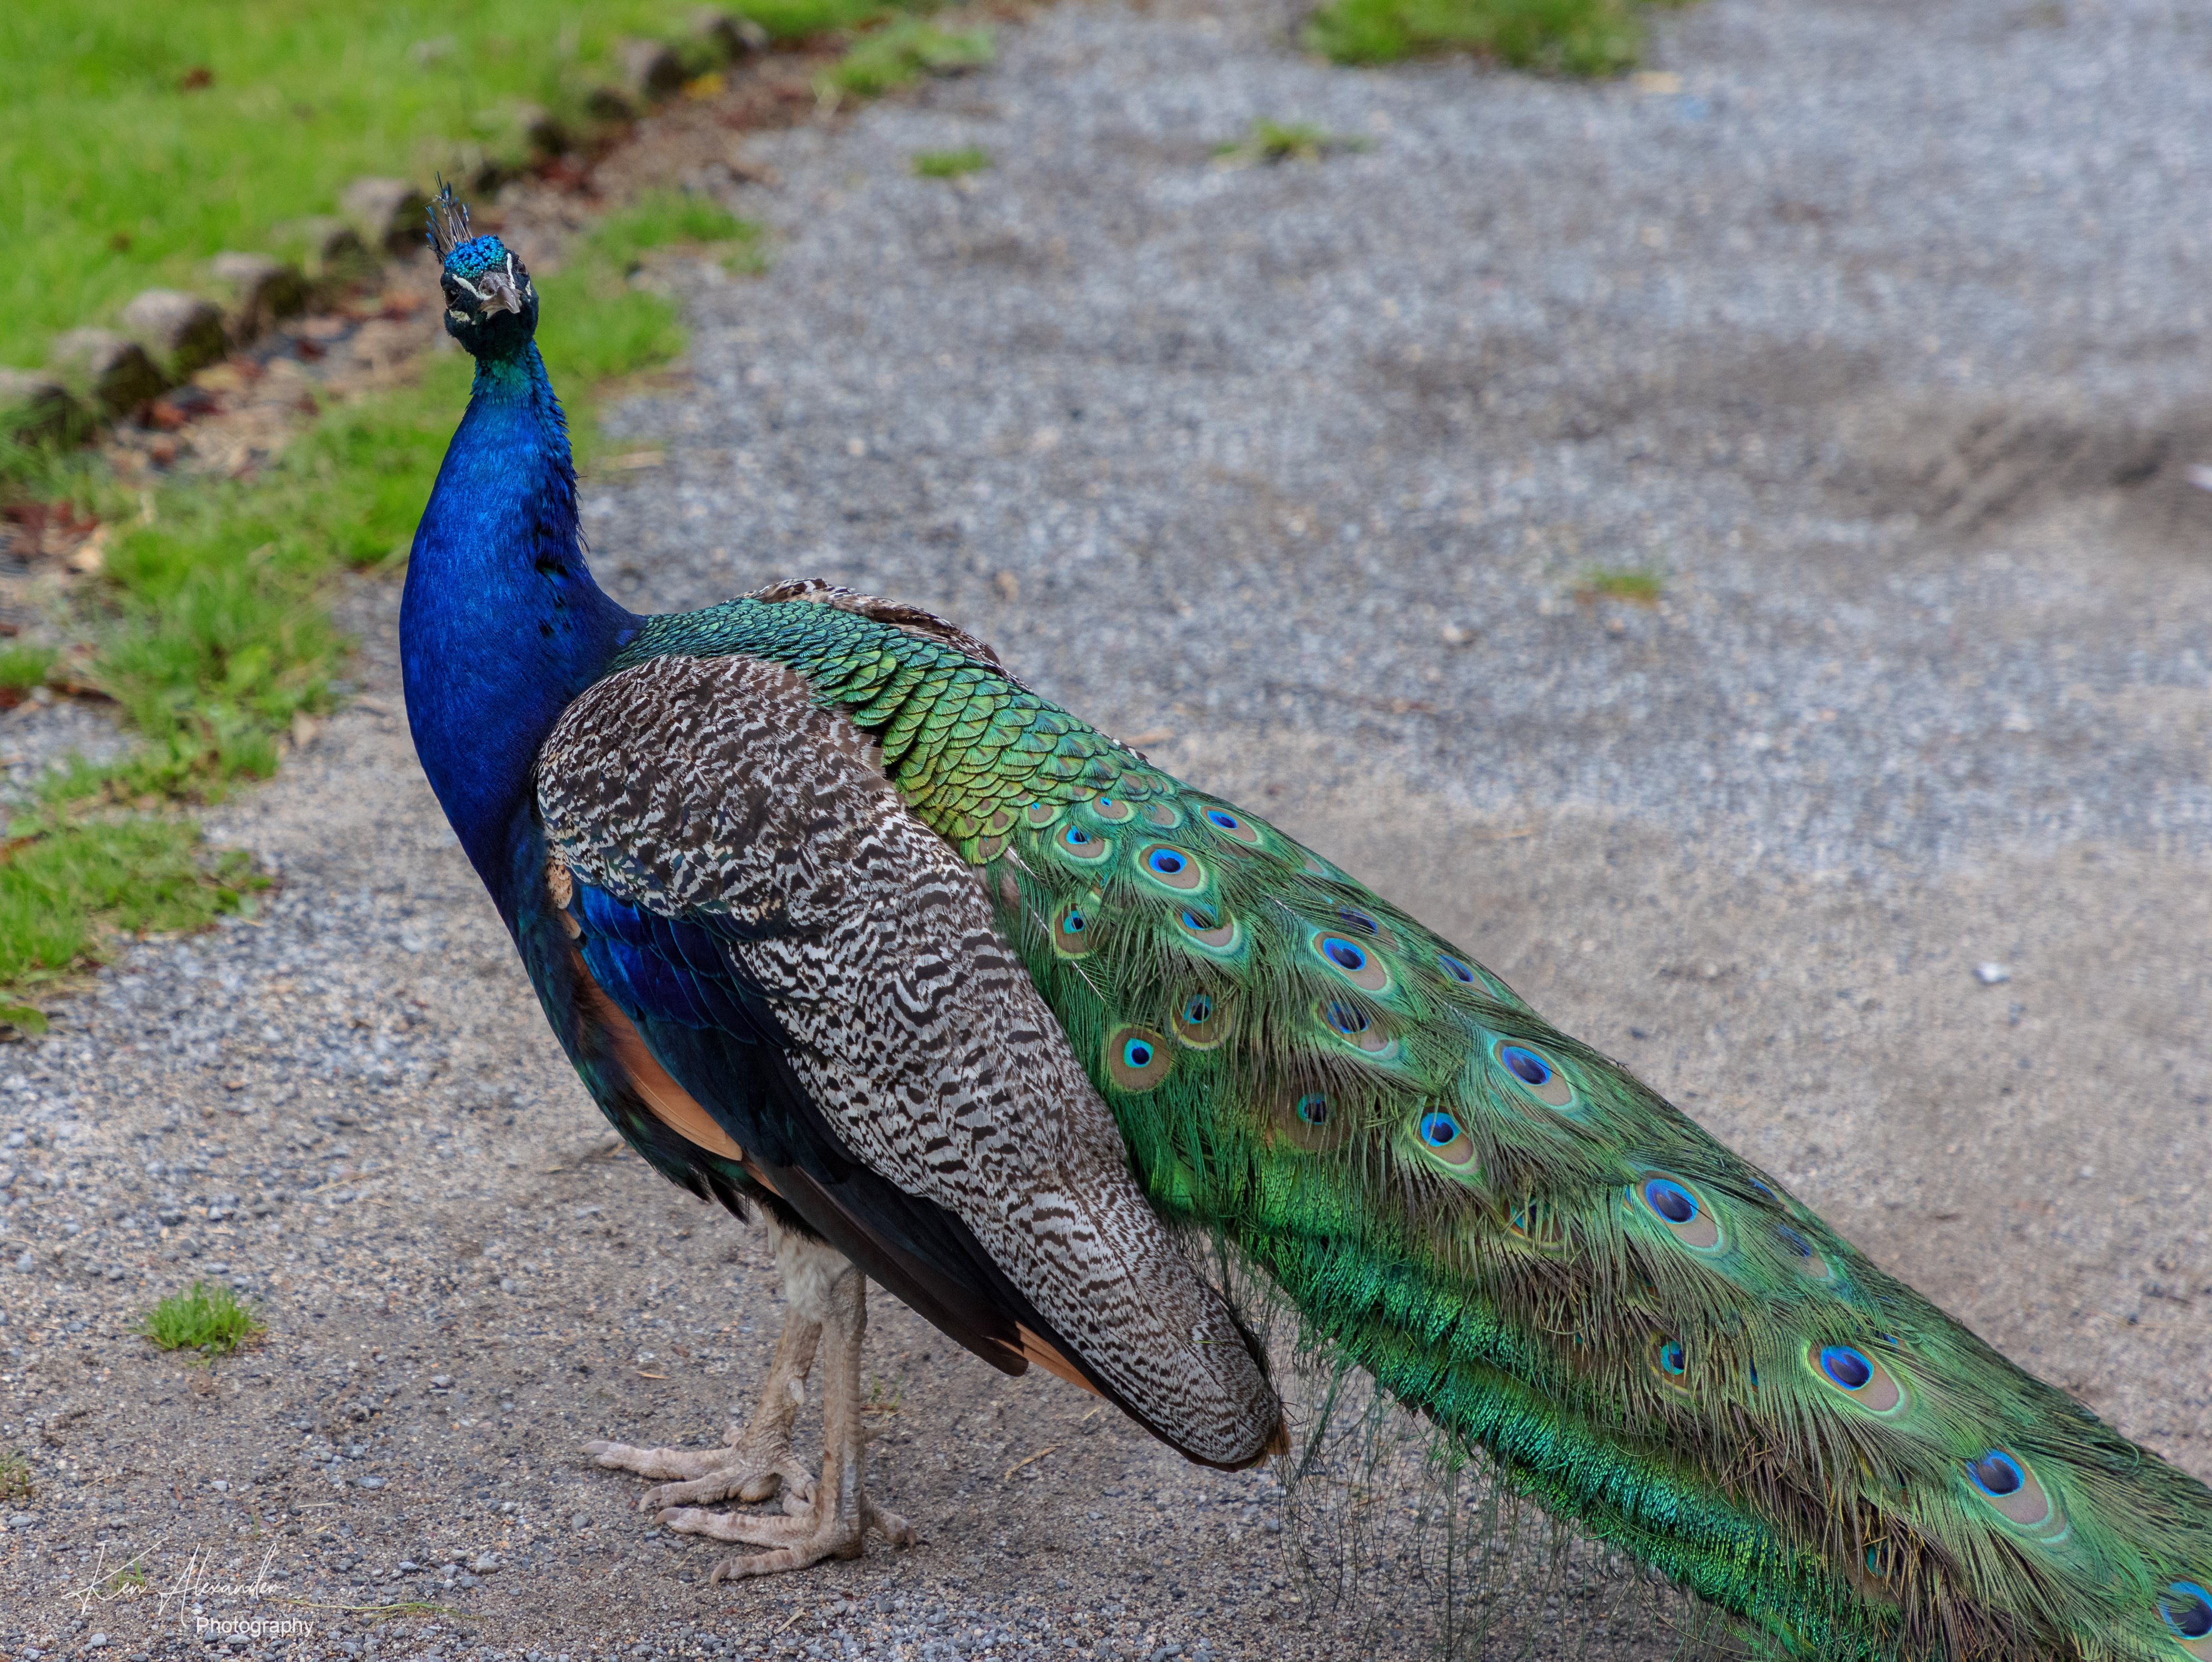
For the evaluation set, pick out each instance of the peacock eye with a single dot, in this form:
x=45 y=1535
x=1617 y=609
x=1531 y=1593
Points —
x=1444 y=1135
x=1171 y=866
x=1672 y=1359
x=1313 y=1108
x=1221 y=819
x=1680 y=1210
x=1795 y=1242
x=1071 y=929
x=1198 y=1009
x=1537 y=1076
x=1137 y=1058
x=1343 y=954
x=1996 y=1474
x=1461 y=973
x=1525 y=1065
x=2187 y=1609
x=1865 y=1382
x=1344 y=1018
x=1846 y=1368
x=2008 y=1484
x=1355 y=919
x=1076 y=837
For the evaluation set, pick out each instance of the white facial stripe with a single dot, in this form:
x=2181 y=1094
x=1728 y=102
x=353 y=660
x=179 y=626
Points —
x=470 y=286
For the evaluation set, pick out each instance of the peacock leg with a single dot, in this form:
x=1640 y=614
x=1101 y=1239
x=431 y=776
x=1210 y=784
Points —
x=757 y=1460
x=836 y=1524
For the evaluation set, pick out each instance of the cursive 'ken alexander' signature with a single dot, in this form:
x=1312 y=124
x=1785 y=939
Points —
x=128 y=1581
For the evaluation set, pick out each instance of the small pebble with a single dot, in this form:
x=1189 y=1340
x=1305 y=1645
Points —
x=1991 y=974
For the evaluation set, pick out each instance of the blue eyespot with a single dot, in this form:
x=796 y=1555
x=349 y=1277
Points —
x=1669 y=1200
x=1165 y=861
x=1846 y=1368
x=1359 y=920
x=1343 y=954
x=1533 y=1069
x=1439 y=1129
x=1877 y=1562
x=1105 y=804
x=1452 y=967
x=1997 y=1474
x=1313 y=1108
x=1672 y=1359
x=1076 y=837
x=1345 y=1018
x=1075 y=923
x=1795 y=1242
x=1136 y=1053
x=1198 y=1009
x=2187 y=1609
x=1223 y=818
x=1193 y=922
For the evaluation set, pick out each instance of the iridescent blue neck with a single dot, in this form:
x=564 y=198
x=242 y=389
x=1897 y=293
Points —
x=500 y=625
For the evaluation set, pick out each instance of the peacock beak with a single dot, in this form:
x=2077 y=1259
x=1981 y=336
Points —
x=499 y=292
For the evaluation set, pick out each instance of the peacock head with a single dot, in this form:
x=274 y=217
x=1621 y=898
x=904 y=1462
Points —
x=491 y=308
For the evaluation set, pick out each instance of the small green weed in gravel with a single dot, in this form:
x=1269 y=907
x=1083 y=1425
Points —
x=1562 y=37
x=204 y=1318
x=901 y=53
x=1639 y=584
x=950 y=163
x=16 y=1476
x=23 y=667
x=1271 y=141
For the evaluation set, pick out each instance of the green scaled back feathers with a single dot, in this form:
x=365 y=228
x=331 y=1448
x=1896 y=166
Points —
x=1516 y=1237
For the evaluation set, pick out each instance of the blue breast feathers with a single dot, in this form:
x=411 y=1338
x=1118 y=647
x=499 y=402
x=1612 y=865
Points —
x=671 y=969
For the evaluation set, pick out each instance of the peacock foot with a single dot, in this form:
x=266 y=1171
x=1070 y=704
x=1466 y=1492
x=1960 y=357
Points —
x=833 y=1526
x=837 y=1521
x=739 y=1470
x=757 y=1462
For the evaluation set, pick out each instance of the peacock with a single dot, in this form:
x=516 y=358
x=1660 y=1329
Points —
x=845 y=928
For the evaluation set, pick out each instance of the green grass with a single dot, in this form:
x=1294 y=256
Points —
x=1282 y=140
x=1638 y=584
x=901 y=53
x=24 y=666
x=115 y=175
x=1561 y=37
x=16 y=1476
x=204 y=1318
x=950 y=163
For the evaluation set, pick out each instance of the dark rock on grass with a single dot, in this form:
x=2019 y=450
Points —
x=388 y=212
x=542 y=129
x=265 y=290
x=651 y=69
x=334 y=248
x=107 y=369
x=36 y=409
x=184 y=332
x=607 y=103
x=727 y=33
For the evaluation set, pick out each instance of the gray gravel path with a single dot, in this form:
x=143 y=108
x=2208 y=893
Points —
x=1879 y=334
